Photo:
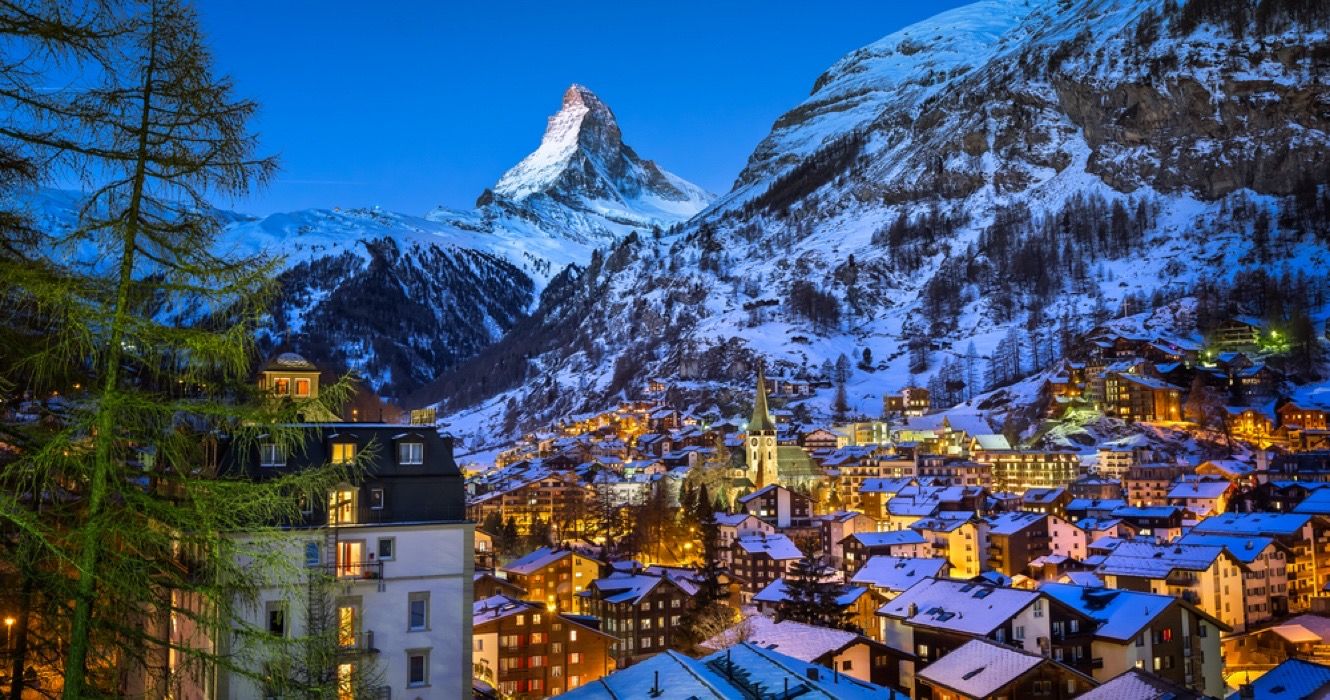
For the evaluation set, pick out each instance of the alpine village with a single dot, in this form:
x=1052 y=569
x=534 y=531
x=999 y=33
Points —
x=1002 y=370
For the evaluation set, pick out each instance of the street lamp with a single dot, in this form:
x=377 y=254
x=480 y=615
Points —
x=9 y=627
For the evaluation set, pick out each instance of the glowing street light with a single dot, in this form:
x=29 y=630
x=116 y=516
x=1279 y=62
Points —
x=9 y=626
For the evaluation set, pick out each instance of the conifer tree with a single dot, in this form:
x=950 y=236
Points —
x=134 y=526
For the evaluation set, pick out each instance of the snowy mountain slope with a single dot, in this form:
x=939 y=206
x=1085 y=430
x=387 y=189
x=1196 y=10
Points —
x=401 y=298
x=582 y=188
x=982 y=180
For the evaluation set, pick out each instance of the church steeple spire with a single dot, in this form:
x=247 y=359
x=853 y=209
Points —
x=761 y=420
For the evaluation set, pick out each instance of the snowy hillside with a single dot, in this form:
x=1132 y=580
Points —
x=975 y=186
x=402 y=298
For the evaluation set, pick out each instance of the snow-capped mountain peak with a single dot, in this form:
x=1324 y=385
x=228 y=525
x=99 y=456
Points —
x=582 y=124
x=583 y=163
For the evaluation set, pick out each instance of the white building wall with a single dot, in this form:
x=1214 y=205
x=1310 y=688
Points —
x=434 y=560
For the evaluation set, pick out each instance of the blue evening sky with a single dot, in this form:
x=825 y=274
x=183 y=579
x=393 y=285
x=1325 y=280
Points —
x=409 y=104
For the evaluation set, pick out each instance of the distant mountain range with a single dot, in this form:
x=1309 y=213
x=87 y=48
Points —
x=957 y=198
x=403 y=298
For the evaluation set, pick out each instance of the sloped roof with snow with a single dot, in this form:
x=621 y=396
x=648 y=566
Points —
x=1199 y=489
x=960 y=606
x=980 y=668
x=1150 y=560
x=794 y=639
x=887 y=539
x=898 y=573
x=1135 y=684
x=1273 y=524
x=776 y=546
x=1121 y=613
x=536 y=560
x=1292 y=680
x=1013 y=522
x=778 y=591
x=1244 y=548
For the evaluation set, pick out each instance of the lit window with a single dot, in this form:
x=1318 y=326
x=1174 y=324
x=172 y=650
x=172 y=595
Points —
x=302 y=388
x=343 y=452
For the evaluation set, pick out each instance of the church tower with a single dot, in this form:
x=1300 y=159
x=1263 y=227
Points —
x=762 y=439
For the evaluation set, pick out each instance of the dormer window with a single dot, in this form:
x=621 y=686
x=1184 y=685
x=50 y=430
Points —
x=343 y=452
x=302 y=388
x=410 y=453
x=271 y=454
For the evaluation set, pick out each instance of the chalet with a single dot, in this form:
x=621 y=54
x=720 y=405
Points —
x=937 y=616
x=1171 y=638
x=1304 y=637
x=1016 y=538
x=520 y=649
x=1237 y=333
x=911 y=401
x=1264 y=571
x=822 y=439
x=761 y=559
x=641 y=610
x=1159 y=522
x=1135 y=684
x=1081 y=508
x=890 y=576
x=835 y=527
x=555 y=577
x=980 y=669
x=779 y=506
x=860 y=546
x=1149 y=484
x=730 y=527
x=962 y=542
x=1301 y=534
x=1200 y=495
x=1049 y=501
x=1194 y=573
x=954 y=470
x=1136 y=397
x=1018 y=470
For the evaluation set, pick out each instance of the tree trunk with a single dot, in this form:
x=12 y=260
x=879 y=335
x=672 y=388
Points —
x=103 y=459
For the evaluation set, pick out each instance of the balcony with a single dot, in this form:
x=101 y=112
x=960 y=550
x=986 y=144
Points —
x=357 y=643
x=357 y=570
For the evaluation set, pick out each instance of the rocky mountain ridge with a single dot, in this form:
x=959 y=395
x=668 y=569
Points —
x=978 y=186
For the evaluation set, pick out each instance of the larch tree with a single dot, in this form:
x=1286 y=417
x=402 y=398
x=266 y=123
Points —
x=135 y=524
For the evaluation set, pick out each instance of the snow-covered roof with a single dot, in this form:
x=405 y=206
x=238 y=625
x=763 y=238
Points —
x=1244 y=548
x=760 y=492
x=1105 y=504
x=1121 y=613
x=1013 y=522
x=497 y=607
x=887 y=539
x=1316 y=503
x=536 y=560
x=1135 y=684
x=992 y=442
x=1292 y=679
x=778 y=591
x=884 y=485
x=1274 y=524
x=1303 y=629
x=1145 y=512
x=1193 y=488
x=776 y=546
x=898 y=573
x=735 y=519
x=980 y=668
x=1150 y=560
x=960 y=606
x=1043 y=495
x=795 y=639
x=726 y=675
x=1082 y=578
